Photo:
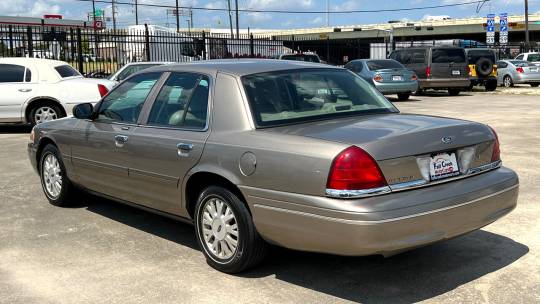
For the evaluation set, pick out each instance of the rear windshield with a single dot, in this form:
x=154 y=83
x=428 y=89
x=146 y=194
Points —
x=66 y=71
x=293 y=96
x=521 y=63
x=384 y=64
x=533 y=57
x=301 y=57
x=448 y=55
x=474 y=55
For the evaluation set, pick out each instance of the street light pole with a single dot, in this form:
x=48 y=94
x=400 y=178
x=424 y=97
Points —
x=177 y=18
x=237 y=25
x=230 y=17
x=527 y=25
x=136 y=13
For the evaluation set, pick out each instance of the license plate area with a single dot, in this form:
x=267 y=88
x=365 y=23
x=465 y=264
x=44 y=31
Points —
x=456 y=72
x=443 y=165
x=397 y=78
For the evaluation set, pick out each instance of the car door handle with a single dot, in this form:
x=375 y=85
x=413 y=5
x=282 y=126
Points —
x=183 y=149
x=25 y=90
x=120 y=140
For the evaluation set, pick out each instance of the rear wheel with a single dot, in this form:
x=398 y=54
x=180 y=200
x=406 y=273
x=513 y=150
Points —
x=453 y=92
x=43 y=112
x=534 y=85
x=225 y=231
x=403 y=96
x=54 y=181
x=507 y=81
x=491 y=85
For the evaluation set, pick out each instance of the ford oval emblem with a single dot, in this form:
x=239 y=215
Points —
x=446 y=139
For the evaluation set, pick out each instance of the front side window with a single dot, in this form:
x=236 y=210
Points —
x=125 y=102
x=449 y=55
x=66 y=71
x=11 y=73
x=292 y=96
x=182 y=102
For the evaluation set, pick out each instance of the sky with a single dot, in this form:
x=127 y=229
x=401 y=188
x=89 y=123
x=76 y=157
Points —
x=73 y=9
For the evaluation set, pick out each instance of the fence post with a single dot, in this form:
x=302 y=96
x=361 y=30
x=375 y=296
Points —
x=147 y=42
x=292 y=39
x=79 y=51
x=30 y=42
x=71 y=45
x=328 y=49
x=204 y=45
x=251 y=47
x=10 y=40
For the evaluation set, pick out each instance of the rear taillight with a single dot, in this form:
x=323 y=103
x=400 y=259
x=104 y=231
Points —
x=355 y=169
x=102 y=90
x=378 y=78
x=519 y=70
x=428 y=72
x=496 y=155
x=469 y=71
x=414 y=77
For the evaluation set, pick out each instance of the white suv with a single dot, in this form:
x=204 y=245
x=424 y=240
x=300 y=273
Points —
x=532 y=57
x=38 y=90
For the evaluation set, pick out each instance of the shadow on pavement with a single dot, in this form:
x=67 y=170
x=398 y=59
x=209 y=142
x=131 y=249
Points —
x=15 y=129
x=405 y=278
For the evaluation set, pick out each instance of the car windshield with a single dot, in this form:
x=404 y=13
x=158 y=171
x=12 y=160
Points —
x=474 y=55
x=132 y=69
x=293 y=96
x=533 y=57
x=301 y=57
x=374 y=65
x=66 y=71
x=521 y=63
x=449 y=55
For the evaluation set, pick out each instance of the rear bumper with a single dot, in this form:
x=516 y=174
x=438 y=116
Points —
x=373 y=225
x=394 y=88
x=444 y=83
x=523 y=78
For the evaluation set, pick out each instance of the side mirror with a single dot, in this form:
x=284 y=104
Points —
x=83 y=111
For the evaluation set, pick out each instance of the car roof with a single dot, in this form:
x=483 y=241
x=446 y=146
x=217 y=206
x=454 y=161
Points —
x=30 y=60
x=239 y=67
x=149 y=62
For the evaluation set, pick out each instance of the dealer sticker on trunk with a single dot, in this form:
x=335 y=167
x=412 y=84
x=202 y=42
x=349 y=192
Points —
x=443 y=165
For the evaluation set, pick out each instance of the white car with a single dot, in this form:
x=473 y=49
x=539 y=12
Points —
x=132 y=68
x=37 y=90
x=532 y=57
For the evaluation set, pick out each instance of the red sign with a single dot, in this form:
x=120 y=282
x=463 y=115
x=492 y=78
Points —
x=52 y=16
x=98 y=24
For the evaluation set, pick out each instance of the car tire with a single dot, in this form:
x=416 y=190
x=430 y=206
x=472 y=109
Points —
x=222 y=221
x=403 y=96
x=54 y=180
x=491 y=86
x=534 y=85
x=508 y=82
x=453 y=92
x=44 y=111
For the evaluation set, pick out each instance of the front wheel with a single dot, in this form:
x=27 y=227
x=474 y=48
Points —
x=225 y=231
x=403 y=96
x=453 y=92
x=534 y=85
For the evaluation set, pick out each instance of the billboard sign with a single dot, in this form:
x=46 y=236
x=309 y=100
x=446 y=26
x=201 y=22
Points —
x=503 y=29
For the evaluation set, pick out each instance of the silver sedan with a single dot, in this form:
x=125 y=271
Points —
x=257 y=152
x=512 y=72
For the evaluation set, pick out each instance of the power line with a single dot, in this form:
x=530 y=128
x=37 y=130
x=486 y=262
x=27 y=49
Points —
x=299 y=12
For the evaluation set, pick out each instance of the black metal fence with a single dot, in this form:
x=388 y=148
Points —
x=100 y=53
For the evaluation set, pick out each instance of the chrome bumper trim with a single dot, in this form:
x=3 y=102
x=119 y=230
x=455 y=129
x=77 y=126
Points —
x=408 y=185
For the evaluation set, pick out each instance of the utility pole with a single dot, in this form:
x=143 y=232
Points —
x=136 y=13
x=177 y=13
x=527 y=42
x=327 y=13
x=113 y=8
x=93 y=12
x=230 y=18
x=237 y=25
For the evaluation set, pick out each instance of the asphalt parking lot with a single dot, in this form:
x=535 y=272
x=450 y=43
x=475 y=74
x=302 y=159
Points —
x=103 y=252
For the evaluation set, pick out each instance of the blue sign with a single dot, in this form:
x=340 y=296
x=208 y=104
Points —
x=504 y=22
x=491 y=28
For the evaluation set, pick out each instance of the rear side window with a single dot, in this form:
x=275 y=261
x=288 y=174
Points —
x=354 y=66
x=384 y=64
x=66 y=71
x=128 y=71
x=11 y=73
x=520 y=57
x=502 y=64
x=28 y=76
x=448 y=55
x=413 y=56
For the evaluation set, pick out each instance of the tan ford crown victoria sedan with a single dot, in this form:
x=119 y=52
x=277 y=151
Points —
x=256 y=152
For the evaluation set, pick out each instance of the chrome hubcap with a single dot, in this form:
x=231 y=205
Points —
x=52 y=177
x=44 y=114
x=219 y=228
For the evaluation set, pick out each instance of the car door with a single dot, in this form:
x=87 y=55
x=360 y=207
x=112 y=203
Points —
x=99 y=146
x=170 y=143
x=17 y=85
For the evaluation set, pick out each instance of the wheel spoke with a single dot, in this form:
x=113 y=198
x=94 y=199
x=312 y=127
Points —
x=233 y=229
